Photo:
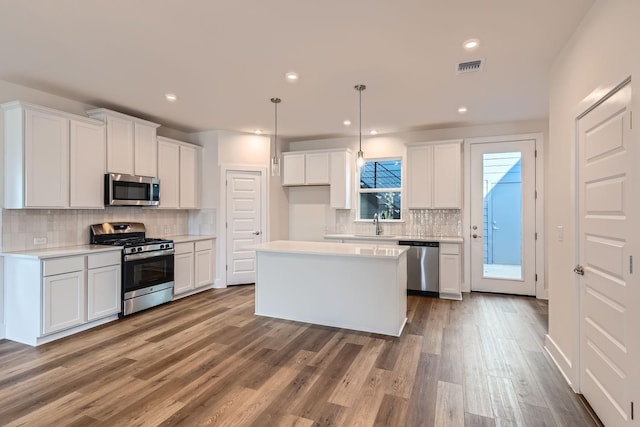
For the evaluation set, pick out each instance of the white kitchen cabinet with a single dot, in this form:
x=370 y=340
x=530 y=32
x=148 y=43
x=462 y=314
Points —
x=87 y=152
x=47 y=299
x=316 y=169
x=45 y=158
x=189 y=177
x=169 y=173
x=340 y=181
x=104 y=296
x=194 y=266
x=131 y=143
x=447 y=177
x=145 y=150
x=450 y=271
x=204 y=261
x=434 y=175
x=63 y=304
x=293 y=169
x=183 y=268
x=305 y=168
x=179 y=173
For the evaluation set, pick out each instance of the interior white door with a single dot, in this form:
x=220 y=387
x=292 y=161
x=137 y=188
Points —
x=607 y=229
x=244 y=224
x=502 y=234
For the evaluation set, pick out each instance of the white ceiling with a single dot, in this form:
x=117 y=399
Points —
x=226 y=59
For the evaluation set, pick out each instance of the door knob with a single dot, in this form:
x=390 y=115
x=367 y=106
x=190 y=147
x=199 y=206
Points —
x=476 y=236
x=579 y=270
x=257 y=233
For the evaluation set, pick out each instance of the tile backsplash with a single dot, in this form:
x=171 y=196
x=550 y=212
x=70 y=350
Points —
x=71 y=227
x=416 y=222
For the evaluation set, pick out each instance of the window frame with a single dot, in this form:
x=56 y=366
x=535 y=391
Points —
x=380 y=190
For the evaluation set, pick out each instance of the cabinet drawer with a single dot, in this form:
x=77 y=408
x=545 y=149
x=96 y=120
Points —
x=204 y=245
x=104 y=259
x=62 y=265
x=183 y=248
x=449 y=248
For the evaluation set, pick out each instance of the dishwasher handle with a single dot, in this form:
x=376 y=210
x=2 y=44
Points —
x=419 y=243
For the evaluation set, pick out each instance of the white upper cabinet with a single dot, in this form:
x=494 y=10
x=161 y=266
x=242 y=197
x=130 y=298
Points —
x=447 y=178
x=189 y=177
x=131 y=143
x=293 y=167
x=169 y=173
x=145 y=150
x=340 y=185
x=322 y=167
x=317 y=169
x=52 y=159
x=120 y=145
x=179 y=174
x=419 y=177
x=87 y=153
x=434 y=175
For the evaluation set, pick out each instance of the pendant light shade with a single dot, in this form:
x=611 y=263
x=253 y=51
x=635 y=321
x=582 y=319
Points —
x=360 y=156
x=275 y=160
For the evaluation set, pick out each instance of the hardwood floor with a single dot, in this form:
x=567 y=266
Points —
x=207 y=359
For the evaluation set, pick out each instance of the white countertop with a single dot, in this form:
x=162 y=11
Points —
x=46 y=253
x=330 y=248
x=188 y=238
x=387 y=238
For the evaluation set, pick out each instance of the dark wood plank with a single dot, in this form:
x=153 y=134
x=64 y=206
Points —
x=207 y=359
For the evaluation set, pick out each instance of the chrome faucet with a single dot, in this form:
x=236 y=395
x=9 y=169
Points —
x=376 y=221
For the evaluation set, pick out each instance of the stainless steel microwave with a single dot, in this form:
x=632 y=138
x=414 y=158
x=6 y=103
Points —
x=131 y=190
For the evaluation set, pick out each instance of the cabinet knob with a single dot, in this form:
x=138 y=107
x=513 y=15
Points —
x=257 y=233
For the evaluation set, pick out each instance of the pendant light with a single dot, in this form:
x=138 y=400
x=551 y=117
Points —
x=275 y=160
x=360 y=158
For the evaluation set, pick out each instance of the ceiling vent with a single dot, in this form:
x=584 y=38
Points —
x=470 y=66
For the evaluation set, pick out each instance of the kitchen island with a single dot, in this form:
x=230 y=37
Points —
x=352 y=286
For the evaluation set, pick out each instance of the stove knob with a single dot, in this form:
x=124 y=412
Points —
x=139 y=249
x=161 y=246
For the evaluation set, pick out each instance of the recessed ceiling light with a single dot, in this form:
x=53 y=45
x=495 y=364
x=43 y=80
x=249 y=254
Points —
x=347 y=122
x=462 y=110
x=373 y=132
x=258 y=131
x=471 y=44
x=171 y=97
x=292 y=76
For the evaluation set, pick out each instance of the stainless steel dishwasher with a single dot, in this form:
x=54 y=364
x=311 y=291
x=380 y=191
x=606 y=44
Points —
x=423 y=267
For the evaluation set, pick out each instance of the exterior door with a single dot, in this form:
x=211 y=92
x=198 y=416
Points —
x=503 y=217
x=607 y=229
x=244 y=219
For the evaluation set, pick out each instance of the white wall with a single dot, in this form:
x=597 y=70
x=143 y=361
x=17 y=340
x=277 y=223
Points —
x=601 y=54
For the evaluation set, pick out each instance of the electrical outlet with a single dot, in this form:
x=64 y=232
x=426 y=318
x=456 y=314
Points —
x=39 y=240
x=560 y=231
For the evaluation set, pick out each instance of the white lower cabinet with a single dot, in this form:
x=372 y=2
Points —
x=204 y=263
x=194 y=265
x=450 y=271
x=47 y=299
x=63 y=305
x=183 y=268
x=103 y=285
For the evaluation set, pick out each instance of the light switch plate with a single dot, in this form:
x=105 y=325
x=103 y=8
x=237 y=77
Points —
x=39 y=240
x=560 y=232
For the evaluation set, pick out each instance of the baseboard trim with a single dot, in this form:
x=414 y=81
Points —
x=560 y=359
x=219 y=284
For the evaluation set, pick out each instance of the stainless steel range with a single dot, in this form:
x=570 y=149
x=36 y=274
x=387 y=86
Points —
x=147 y=264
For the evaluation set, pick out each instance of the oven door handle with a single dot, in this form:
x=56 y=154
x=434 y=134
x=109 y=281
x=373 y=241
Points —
x=145 y=255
